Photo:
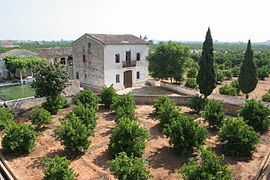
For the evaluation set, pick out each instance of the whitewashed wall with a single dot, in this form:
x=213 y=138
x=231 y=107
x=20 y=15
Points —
x=111 y=68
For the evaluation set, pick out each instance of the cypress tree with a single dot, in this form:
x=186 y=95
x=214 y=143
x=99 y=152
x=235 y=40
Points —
x=248 y=78
x=206 y=78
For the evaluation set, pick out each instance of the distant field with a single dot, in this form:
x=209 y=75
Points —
x=35 y=46
x=231 y=47
x=223 y=47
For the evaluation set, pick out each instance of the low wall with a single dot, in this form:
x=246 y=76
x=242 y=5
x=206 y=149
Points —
x=29 y=102
x=150 y=100
x=191 y=92
x=24 y=103
x=151 y=82
x=72 y=89
x=179 y=89
x=180 y=100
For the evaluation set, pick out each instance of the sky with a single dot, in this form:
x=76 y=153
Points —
x=183 y=20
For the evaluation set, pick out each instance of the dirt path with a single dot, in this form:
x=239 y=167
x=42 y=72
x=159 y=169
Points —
x=160 y=159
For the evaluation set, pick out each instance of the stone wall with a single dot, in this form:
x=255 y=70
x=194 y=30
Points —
x=72 y=89
x=150 y=100
x=91 y=71
x=24 y=103
x=191 y=92
x=3 y=70
x=182 y=101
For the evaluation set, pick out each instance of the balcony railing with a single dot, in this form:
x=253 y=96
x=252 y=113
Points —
x=129 y=63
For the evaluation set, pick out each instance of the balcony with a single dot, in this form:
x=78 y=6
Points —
x=129 y=63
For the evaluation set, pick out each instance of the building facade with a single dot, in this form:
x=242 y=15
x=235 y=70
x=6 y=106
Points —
x=118 y=60
x=62 y=55
x=4 y=73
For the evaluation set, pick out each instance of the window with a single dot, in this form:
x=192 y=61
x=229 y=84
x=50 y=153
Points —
x=63 y=60
x=77 y=75
x=84 y=58
x=138 y=56
x=117 y=58
x=138 y=74
x=117 y=78
x=89 y=48
x=85 y=77
x=69 y=61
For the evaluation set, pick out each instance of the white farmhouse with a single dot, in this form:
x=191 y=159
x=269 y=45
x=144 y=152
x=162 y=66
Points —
x=103 y=59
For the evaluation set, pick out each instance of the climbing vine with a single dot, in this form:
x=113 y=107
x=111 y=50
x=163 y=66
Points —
x=21 y=63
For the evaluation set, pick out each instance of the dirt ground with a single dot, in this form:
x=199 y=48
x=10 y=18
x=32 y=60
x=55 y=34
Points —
x=160 y=159
x=261 y=89
x=148 y=90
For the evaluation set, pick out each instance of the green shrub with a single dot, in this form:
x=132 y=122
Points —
x=191 y=83
x=128 y=137
x=185 y=134
x=6 y=117
x=263 y=72
x=125 y=100
x=107 y=95
x=129 y=168
x=236 y=71
x=87 y=115
x=256 y=115
x=125 y=112
x=228 y=90
x=124 y=105
x=235 y=85
x=266 y=97
x=88 y=98
x=166 y=113
x=40 y=116
x=220 y=76
x=197 y=103
x=73 y=134
x=237 y=138
x=192 y=73
x=53 y=104
x=214 y=113
x=64 y=102
x=57 y=168
x=221 y=66
x=19 y=139
x=209 y=167
x=160 y=102
x=228 y=74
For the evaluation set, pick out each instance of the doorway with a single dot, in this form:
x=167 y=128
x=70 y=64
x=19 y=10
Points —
x=128 y=79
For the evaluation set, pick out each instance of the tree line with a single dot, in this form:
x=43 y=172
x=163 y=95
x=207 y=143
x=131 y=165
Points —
x=169 y=61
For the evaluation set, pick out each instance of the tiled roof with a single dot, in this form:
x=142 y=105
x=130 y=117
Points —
x=18 y=53
x=55 y=52
x=117 y=39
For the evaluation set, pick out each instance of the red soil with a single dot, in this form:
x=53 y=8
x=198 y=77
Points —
x=162 y=162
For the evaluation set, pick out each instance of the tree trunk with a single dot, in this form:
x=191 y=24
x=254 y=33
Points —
x=21 y=76
x=171 y=80
x=247 y=96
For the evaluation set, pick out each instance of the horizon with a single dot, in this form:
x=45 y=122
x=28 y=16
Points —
x=229 y=21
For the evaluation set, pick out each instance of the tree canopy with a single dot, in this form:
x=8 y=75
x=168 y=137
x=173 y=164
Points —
x=21 y=63
x=51 y=79
x=206 y=78
x=167 y=61
x=248 y=78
